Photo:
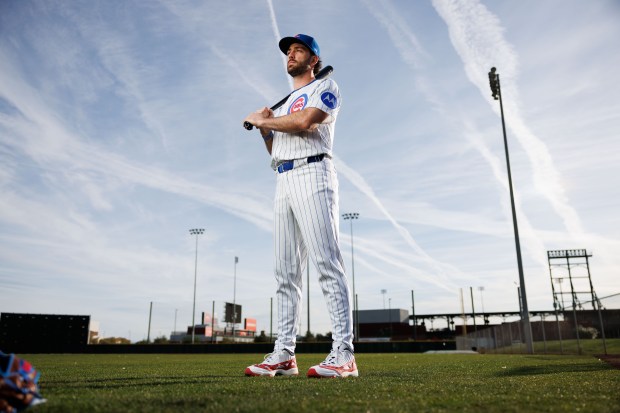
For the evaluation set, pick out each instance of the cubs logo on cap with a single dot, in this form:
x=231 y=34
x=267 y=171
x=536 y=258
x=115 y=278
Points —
x=304 y=39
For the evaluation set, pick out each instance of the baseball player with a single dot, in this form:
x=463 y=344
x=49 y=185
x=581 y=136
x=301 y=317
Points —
x=299 y=136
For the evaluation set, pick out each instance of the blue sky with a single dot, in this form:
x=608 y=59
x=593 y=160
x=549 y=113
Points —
x=120 y=129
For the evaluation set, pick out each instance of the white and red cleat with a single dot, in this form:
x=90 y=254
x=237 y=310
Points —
x=339 y=363
x=278 y=363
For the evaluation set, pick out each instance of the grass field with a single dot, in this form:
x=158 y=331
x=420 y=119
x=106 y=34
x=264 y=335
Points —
x=399 y=382
x=588 y=346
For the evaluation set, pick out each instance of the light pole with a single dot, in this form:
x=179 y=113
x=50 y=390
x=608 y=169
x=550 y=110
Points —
x=390 y=315
x=350 y=217
x=235 y=299
x=175 y=320
x=383 y=292
x=484 y=317
x=196 y=232
x=148 y=337
x=415 y=323
x=473 y=310
x=525 y=316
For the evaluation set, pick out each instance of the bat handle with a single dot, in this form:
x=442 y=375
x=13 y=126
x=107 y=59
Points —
x=248 y=125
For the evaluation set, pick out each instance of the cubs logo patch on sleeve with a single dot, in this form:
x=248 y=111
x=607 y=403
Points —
x=329 y=100
x=298 y=104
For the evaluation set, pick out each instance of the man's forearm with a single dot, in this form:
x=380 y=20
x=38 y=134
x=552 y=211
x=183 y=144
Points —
x=295 y=122
x=306 y=119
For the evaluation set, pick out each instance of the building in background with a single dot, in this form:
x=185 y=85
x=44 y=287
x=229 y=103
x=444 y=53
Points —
x=386 y=325
x=209 y=330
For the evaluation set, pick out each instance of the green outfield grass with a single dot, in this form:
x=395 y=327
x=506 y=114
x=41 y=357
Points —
x=399 y=382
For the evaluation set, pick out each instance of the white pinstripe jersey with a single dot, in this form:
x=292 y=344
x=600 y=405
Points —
x=321 y=94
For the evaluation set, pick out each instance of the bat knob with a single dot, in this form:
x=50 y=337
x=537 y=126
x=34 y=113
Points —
x=248 y=125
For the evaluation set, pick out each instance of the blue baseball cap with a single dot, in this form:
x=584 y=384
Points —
x=304 y=39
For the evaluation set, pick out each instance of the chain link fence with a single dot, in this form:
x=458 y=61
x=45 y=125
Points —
x=571 y=331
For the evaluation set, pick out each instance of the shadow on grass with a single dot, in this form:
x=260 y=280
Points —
x=552 y=369
x=110 y=383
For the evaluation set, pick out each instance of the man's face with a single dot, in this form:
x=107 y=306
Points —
x=299 y=59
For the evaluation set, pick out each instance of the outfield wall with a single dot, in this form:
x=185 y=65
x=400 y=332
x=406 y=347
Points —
x=260 y=348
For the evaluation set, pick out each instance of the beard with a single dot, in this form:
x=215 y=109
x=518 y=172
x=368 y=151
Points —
x=300 y=68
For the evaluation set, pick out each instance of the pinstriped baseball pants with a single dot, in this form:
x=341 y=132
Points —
x=306 y=223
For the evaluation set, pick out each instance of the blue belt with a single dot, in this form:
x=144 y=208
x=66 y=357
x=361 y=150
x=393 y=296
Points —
x=288 y=165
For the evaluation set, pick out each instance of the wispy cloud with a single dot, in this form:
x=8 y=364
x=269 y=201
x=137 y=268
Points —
x=278 y=36
x=42 y=137
x=361 y=184
x=190 y=22
x=259 y=87
x=404 y=267
x=478 y=38
x=440 y=269
x=404 y=39
x=534 y=242
x=132 y=77
x=120 y=129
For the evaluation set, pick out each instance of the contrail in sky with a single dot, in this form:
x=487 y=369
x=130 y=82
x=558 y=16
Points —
x=276 y=32
x=360 y=183
x=477 y=37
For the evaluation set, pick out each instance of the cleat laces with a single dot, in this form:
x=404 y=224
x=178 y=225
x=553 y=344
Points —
x=332 y=358
x=336 y=357
x=274 y=357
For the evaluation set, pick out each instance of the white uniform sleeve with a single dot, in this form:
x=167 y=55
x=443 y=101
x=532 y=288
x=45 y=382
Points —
x=326 y=97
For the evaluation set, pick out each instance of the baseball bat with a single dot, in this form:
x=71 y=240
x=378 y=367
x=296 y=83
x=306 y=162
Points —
x=323 y=73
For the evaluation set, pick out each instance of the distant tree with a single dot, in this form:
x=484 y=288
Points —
x=326 y=337
x=114 y=340
x=262 y=338
x=587 y=332
x=158 y=340
x=309 y=337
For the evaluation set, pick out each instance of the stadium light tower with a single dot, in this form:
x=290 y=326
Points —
x=484 y=317
x=196 y=232
x=350 y=216
x=525 y=315
x=235 y=299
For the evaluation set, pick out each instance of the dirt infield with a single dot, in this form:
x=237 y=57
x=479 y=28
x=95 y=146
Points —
x=611 y=359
